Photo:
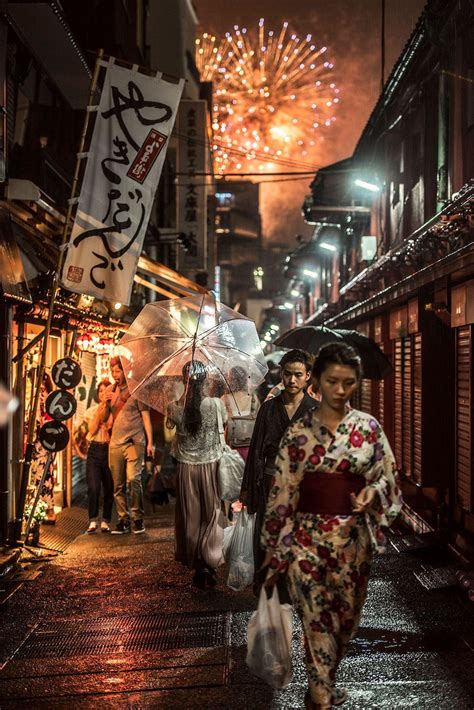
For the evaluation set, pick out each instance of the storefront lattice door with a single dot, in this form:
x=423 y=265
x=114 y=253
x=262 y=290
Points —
x=464 y=429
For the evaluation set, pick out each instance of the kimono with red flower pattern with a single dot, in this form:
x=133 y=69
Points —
x=328 y=558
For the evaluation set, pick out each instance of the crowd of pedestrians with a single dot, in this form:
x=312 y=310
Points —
x=318 y=483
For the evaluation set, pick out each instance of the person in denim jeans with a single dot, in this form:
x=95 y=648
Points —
x=131 y=437
x=98 y=473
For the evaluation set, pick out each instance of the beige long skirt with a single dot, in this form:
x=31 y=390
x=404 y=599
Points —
x=199 y=521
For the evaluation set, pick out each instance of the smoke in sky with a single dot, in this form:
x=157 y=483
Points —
x=351 y=31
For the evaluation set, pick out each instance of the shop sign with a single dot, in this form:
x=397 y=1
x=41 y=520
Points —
x=192 y=200
x=66 y=373
x=135 y=118
x=399 y=323
x=61 y=405
x=413 y=325
x=53 y=436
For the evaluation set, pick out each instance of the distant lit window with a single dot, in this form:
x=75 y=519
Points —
x=225 y=199
x=258 y=278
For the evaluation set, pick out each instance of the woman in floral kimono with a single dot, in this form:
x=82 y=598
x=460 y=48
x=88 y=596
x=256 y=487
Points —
x=335 y=487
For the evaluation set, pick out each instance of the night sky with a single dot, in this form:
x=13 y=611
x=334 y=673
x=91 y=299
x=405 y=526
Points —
x=351 y=31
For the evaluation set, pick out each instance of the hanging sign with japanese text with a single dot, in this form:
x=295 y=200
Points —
x=53 y=436
x=61 y=405
x=66 y=373
x=134 y=121
x=192 y=199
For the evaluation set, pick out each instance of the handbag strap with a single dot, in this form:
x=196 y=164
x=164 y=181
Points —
x=220 y=424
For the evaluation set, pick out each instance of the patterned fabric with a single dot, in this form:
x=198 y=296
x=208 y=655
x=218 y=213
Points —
x=327 y=581
x=328 y=558
x=206 y=446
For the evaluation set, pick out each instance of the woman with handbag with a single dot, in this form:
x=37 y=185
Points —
x=199 y=521
x=242 y=407
x=335 y=487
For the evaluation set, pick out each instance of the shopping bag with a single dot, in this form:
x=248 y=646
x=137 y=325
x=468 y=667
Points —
x=230 y=474
x=230 y=471
x=269 y=640
x=238 y=551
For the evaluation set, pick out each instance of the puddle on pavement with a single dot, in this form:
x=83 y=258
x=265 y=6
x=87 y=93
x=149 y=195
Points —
x=370 y=640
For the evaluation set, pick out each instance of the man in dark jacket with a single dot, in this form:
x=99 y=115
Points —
x=274 y=417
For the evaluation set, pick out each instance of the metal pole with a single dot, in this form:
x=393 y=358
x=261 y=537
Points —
x=53 y=296
x=443 y=188
x=38 y=493
x=5 y=357
x=18 y=427
x=382 y=48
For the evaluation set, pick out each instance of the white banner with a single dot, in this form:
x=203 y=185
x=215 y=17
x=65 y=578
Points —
x=135 y=118
x=192 y=194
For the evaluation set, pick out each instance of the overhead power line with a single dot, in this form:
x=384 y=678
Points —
x=256 y=174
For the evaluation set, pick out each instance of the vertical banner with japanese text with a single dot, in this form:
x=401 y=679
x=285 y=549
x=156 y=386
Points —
x=192 y=191
x=134 y=121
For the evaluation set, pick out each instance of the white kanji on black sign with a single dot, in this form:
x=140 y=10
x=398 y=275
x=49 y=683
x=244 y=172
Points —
x=53 y=436
x=61 y=405
x=66 y=373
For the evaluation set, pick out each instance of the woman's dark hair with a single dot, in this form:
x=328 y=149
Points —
x=238 y=379
x=194 y=374
x=103 y=383
x=337 y=354
x=297 y=356
x=116 y=362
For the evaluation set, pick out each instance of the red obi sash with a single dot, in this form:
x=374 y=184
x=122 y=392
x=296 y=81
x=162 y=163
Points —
x=323 y=493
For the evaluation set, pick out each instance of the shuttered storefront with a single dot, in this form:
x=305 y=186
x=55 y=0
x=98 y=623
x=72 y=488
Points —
x=407 y=407
x=464 y=405
x=398 y=400
x=366 y=386
x=417 y=406
x=423 y=391
x=462 y=319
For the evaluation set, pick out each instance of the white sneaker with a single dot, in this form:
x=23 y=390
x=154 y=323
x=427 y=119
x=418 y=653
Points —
x=92 y=527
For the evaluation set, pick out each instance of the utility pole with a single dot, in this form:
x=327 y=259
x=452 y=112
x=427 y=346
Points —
x=382 y=47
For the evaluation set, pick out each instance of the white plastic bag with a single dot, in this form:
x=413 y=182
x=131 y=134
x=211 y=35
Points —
x=238 y=551
x=269 y=640
x=230 y=474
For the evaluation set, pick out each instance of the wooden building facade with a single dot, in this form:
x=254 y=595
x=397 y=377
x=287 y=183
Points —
x=416 y=298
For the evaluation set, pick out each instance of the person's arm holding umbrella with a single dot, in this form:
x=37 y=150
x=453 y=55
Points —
x=150 y=449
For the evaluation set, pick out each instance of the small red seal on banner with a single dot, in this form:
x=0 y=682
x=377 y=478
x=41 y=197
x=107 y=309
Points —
x=75 y=274
x=146 y=156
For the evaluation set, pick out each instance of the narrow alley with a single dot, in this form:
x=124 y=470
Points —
x=113 y=622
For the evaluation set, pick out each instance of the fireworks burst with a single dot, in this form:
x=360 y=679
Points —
x=273 y=92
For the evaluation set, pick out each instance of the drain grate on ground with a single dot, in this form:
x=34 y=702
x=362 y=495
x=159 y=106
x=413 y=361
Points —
x=412 y=542
x=110 y=635
x=70 y=523
x=436 y=577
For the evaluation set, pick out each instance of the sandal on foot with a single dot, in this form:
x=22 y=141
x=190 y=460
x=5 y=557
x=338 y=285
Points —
x=339 y=696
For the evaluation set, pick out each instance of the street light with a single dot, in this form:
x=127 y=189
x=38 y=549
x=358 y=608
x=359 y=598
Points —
x=327 y=246
x=311 y=274
x=295 y=293
x=367 y=185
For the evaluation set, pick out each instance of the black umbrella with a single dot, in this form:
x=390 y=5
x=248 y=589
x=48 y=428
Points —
x=308 y=337
x=312 y=338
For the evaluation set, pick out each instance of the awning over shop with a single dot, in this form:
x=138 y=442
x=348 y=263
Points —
x=171 y=283
x=39 y=254
x=14 y=284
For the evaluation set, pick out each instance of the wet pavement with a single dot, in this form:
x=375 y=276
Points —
x=114 y=623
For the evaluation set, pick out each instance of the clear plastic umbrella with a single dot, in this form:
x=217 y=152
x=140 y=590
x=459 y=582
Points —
x=167 y=335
